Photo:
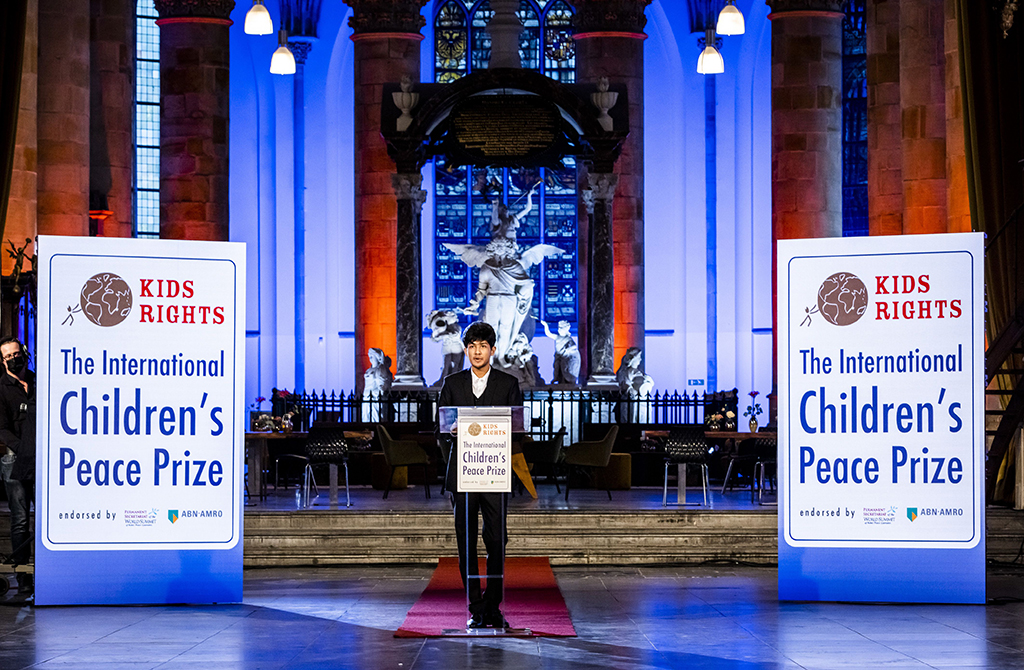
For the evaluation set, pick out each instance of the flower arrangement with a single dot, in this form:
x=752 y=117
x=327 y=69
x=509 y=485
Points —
x=753 y=409
x=276 y=424
x=257 y=405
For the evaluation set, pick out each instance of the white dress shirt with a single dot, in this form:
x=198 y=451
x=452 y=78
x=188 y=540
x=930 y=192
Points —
x=479 y=383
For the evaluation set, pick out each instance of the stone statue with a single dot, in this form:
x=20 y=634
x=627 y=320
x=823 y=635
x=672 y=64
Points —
x=376 y=382
x=636 y=386
x=504 y=224
x=444 y=328
x=632 y=380
x=523 y=364
x=567 y=355
x=505 y=284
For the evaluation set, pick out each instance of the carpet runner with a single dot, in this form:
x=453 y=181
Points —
x=532 y=600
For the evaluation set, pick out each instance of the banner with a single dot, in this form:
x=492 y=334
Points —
x=140 y=444
x=881 y=419
x=485 y=450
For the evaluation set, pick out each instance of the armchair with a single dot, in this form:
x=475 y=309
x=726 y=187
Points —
x=402 y=452
x=548 y=452
x=586 y=457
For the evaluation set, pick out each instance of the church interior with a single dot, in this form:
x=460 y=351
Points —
x=605 y=182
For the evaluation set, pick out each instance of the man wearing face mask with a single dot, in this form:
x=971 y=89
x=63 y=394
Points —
x=18 y=446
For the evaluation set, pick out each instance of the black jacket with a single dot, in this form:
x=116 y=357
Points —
x=18 y=423
x=502 y=391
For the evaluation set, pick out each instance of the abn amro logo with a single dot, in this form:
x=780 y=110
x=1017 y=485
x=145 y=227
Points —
x=172 y=515
x=912 y=513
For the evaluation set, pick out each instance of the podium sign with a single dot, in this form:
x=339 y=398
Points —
x=881 y=419
x=139 y=461
x=484 y=450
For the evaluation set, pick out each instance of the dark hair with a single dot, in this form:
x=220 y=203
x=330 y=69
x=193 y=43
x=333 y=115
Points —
x=480 y=331
x=21 y=346
x=11 y=338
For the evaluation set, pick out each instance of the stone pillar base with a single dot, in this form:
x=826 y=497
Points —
x=408 y=383
x=602 y=383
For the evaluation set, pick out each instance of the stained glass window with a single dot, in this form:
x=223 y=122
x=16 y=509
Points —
x=450 y=40
x=147 y=121
x=464 y=197
x=855 y=126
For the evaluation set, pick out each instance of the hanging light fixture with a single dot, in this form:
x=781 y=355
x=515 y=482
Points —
x=730 y=20
x=282 y=62
x=710 y=60
x=257 y=20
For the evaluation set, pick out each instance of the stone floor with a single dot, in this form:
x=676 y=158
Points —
x=628 y=618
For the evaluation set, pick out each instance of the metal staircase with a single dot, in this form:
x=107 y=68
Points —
x=1004 y=366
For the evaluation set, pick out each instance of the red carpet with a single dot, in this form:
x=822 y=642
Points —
x=532 y=600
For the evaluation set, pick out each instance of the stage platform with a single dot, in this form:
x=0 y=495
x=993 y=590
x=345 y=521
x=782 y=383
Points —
x=631 y=529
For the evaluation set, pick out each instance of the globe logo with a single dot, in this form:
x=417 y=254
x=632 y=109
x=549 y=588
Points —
x=474 y=429
x=842 y=299
x=106 y=299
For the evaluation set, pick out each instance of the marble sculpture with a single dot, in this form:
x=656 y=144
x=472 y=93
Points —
x=444 y=328
x=505 y=289
x=567 y=355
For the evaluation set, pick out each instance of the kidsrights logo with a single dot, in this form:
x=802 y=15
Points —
x=842 y=300
x=106 y=299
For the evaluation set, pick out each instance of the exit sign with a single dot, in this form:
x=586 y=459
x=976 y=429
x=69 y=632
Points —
x=695 y=382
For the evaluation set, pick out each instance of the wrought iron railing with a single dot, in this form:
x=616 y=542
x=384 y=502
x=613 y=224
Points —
x=550 y=409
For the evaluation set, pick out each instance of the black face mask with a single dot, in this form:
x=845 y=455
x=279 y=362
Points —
x=17 y=364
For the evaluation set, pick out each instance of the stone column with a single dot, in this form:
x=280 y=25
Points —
x=20 y=223
x=958 y=206
x=504 y=28
x=111 y=146
x=409 y=282
x=300 y=51
x=301 y=21
x=194 y=61
x=63 y=126
x=807 y=141
x=923 y=111
x=387 y=46
x=807 y=98
x=885 y=135
x=600 y=200
x=609 y=43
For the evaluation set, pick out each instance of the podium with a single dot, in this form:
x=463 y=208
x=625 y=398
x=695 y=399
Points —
x=482 y=456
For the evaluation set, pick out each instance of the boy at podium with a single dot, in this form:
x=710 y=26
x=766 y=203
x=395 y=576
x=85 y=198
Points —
x=480 y=386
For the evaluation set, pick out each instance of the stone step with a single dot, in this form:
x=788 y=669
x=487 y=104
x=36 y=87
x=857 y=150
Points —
x=347 y=537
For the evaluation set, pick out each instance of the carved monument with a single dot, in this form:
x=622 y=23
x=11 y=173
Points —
x=505 y=289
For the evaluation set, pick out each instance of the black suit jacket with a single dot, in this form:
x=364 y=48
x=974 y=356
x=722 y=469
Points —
x=502 y=391
x=18 y=424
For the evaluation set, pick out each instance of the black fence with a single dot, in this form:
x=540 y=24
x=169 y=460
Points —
x=550 y=409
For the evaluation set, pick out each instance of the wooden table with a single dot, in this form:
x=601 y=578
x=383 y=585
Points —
x=713 y=434
x=256 y=451
x=729 y=437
